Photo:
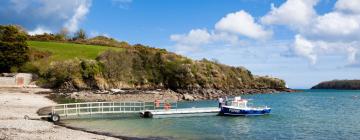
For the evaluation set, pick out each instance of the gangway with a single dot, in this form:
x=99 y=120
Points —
x=145 y=109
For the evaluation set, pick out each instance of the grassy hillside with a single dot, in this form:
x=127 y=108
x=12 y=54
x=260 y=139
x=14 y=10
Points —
x=105 y=63
x=80 y=66
x=66 y=51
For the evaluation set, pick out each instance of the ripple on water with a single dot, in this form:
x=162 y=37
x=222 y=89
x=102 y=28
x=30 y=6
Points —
x=313 y=114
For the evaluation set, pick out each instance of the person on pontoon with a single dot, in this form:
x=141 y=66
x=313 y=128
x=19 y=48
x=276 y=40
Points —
x=226 y=100
x=221 y=101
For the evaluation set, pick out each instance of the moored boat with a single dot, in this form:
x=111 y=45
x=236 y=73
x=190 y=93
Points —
x=238 y=107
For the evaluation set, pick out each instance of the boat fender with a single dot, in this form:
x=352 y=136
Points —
x=147 y=114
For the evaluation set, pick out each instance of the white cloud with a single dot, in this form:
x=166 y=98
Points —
x=335 y=25
x=311 y=49
x=227 y=32
x=305 y=48
x=352 y=57
x=348 y=6
x=242 y=23
x=39 y=30
x=293 y=13
x=50 y=14
x=194 y=37
x=333 y=33
x=73 y=23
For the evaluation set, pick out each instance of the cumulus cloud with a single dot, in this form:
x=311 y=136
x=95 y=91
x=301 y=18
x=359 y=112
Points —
x=226 y=32
x=194 y=37
x=50 y=14
x=305 y=48
x=242 y=23
x=348 y=6
x=311 y=49
x=335 y=32
x=39 y=30
x=334 y=26
x=293 y=13
x=73 y=23
x=352 y=57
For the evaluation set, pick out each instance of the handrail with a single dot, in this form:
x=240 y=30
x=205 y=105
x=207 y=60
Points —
x=108 y=107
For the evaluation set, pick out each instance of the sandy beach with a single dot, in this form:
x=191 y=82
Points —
x=15 y=103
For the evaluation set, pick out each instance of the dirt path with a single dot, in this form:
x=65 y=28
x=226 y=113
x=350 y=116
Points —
x=15 y=103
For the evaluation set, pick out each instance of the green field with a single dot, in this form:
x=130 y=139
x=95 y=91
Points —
x=65 y=51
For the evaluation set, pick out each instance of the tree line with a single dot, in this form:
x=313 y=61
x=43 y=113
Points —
x=62 y=35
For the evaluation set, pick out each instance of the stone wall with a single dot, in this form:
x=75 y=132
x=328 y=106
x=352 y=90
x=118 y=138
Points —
x=16 y=80
x=7 y=81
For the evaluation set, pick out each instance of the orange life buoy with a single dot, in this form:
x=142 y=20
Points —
x=167 y=106
x=157 y=103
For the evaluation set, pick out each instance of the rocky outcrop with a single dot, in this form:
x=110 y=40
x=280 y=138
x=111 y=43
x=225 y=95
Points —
x=116 y=95
x=339 y=84
x=188 y=97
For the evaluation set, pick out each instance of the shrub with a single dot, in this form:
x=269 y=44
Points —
x=80 y=35
x=13 y=48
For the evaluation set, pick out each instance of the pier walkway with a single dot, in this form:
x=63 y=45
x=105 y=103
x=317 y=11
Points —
x=145 y=109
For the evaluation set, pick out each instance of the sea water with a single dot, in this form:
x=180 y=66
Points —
x=311 y=114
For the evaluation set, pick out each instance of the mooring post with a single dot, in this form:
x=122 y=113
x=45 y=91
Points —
x=66 y=111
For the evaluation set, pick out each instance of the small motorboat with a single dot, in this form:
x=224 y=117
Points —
x=238 y=107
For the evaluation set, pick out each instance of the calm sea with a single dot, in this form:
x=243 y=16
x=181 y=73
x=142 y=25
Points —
x=312 y=114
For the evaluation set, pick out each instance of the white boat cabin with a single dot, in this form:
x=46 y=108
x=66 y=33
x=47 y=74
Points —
x=238 y=102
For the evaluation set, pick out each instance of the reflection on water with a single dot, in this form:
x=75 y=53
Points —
x=310 y=115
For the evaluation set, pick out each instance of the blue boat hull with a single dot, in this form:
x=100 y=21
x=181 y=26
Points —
x=228 y=111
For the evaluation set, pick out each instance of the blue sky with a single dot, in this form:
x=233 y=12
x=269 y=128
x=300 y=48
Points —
x=301 y=41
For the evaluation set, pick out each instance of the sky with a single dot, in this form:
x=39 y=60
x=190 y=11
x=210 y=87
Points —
x=303 y=42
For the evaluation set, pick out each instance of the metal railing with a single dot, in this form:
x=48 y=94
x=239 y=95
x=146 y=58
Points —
x=90 y=108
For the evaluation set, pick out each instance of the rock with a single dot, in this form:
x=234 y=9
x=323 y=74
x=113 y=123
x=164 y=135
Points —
x=188 y=97
x=117 y=90
x=152 y=92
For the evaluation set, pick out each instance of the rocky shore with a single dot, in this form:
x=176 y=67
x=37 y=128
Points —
x=163 y=94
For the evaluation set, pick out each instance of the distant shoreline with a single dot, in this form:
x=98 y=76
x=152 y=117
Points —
x=339 y=84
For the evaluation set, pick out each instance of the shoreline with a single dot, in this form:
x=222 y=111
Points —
x=18 y=102
x=149 y=95
x=108 y=134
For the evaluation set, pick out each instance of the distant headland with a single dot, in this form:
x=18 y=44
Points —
x=339 y=84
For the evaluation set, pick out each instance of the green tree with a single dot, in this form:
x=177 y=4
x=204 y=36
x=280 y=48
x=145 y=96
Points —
x=81 y=34
x=13 y=47
x=62 y=35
